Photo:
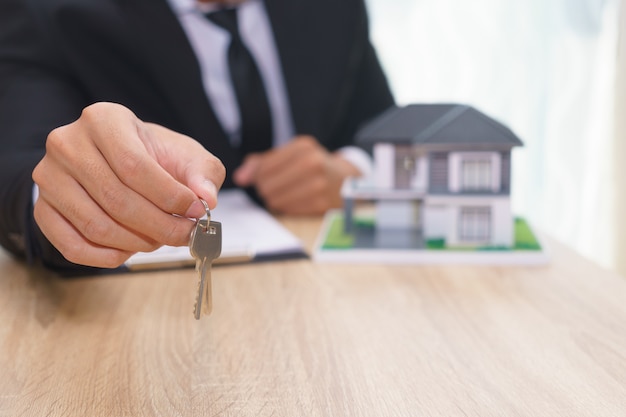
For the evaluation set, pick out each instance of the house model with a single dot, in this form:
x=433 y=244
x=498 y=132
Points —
x=442 y=172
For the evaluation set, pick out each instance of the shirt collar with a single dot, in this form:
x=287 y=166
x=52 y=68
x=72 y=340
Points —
x=181 y=7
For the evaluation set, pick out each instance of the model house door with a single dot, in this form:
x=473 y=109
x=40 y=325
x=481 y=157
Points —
x=405 y=166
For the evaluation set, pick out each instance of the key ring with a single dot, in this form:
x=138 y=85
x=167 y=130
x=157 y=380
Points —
x=206 y=208
x=206 y=225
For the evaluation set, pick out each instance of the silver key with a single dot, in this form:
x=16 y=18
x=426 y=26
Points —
x=205 y=245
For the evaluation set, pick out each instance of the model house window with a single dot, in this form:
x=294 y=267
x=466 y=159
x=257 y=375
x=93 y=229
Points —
x=475 y=224
x=476 y=174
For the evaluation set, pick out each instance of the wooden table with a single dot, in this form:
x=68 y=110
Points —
x=297 y=338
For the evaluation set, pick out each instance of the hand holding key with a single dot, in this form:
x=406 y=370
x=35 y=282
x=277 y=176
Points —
x=108 y=178
x=205 y=245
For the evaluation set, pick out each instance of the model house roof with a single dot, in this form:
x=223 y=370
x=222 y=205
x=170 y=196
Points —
x=451 y=125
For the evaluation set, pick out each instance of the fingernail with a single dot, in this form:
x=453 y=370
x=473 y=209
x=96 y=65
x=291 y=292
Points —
x=210 y=188
x=196 y=210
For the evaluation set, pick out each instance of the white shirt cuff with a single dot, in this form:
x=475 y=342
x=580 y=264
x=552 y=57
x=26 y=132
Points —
x=359 y=158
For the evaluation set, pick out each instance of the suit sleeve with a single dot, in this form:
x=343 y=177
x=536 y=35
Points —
x=367 y=93
x=36 y=96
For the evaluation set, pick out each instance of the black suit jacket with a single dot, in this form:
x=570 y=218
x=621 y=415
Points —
x=58 y=56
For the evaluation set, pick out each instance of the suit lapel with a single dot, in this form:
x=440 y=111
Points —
x=315 y=42
x=174 y=69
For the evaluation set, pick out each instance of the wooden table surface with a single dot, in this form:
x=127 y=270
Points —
x=297 y=338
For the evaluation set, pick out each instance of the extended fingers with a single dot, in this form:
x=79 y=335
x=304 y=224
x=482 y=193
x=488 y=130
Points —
x=66 y=197
x=302 y=178
x=310 y=196
x=72 y=244
x=153 y=161
x=290 y=166
x=86 y=165
x=188 y=162
x=293 y=152
x=121 y=151
x=111 y=185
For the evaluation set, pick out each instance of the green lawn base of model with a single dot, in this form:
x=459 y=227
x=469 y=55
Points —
x=336 y=238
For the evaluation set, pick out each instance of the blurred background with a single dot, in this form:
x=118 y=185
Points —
x=553 y=71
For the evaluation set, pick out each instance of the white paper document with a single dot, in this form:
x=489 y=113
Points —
x=248 y=233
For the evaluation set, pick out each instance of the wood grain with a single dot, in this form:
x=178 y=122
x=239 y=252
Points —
x=303 y=339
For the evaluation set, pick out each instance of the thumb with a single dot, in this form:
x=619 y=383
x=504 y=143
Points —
x=245 y=175
x=206 y=190
x=204 y=176
x=191 y=164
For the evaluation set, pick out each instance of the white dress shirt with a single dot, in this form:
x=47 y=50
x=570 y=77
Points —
x=210 y=43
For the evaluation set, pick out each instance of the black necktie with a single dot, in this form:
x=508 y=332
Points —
x=254 y=110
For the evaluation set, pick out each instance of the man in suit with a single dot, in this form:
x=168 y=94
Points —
x=100 y=100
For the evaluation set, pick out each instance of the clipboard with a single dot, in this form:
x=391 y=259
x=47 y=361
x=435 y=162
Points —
x=249 y=234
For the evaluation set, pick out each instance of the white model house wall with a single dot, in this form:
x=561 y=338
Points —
x=397 y=214
x=448 y=207
x=442 y=218
x=420 y=180
x=384 y=170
